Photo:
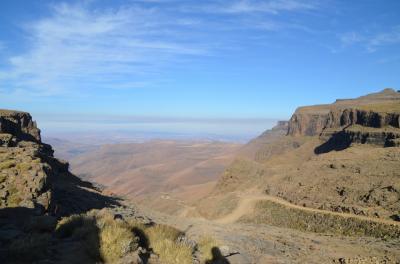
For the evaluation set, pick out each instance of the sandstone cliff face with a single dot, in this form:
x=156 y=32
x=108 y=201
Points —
x=350 y=116
x=373 y=119
x=312 y=124
x=307 y=124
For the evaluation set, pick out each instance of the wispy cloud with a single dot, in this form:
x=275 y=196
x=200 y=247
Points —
x=79 y=48
x=79 y=45
x=371 y=41
x=251 y=6
x=350 y=38
x=383 y=39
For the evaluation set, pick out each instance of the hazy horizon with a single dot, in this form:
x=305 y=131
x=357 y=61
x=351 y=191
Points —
x=117 y=129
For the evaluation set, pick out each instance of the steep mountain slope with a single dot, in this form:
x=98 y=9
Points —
x=340 y=157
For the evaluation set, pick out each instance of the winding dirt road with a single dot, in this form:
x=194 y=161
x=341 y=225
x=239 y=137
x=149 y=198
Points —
x=247 y=203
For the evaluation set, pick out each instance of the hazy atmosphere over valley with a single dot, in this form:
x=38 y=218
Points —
x=206 y=132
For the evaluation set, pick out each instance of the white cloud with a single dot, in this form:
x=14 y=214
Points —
x=383 y=39
x=371 y=41
x=79 y=45
x=255 y=14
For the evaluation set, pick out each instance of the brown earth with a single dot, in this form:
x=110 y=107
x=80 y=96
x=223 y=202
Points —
x=165 y=175
x=313 y=167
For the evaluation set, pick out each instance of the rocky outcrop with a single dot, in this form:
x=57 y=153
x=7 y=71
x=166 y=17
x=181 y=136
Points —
x=305 y=123
x=352 y=116
x=372 y=119
x=20 y=125
x=30 y=177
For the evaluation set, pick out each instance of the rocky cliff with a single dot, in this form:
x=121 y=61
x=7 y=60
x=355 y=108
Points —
x=17 y=126
x=373 y=119
x=31 y=177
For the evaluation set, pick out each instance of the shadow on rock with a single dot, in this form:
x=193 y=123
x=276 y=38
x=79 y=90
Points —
x=74 y=196
x=26 y=237
x=71 y=195
x=338 y=141
x=217 y=257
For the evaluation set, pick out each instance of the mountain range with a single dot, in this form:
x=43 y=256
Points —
x=322 y=187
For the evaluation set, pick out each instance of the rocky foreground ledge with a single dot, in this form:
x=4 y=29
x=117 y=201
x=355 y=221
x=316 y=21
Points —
x=32 y=178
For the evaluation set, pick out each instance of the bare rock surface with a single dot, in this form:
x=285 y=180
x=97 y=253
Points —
x=373 y=119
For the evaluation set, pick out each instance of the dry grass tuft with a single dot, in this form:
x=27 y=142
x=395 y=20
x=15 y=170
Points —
x=24 y=166
x=162 y=232
x=68 y=225
x=205 y=246
x=171 y=252
x=14 y=197
x=7 y=164
x=116 y=240
x=104 y=237
x=164 y=242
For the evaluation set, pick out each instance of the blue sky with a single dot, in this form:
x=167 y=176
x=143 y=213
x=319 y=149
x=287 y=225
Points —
x=234 y=60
